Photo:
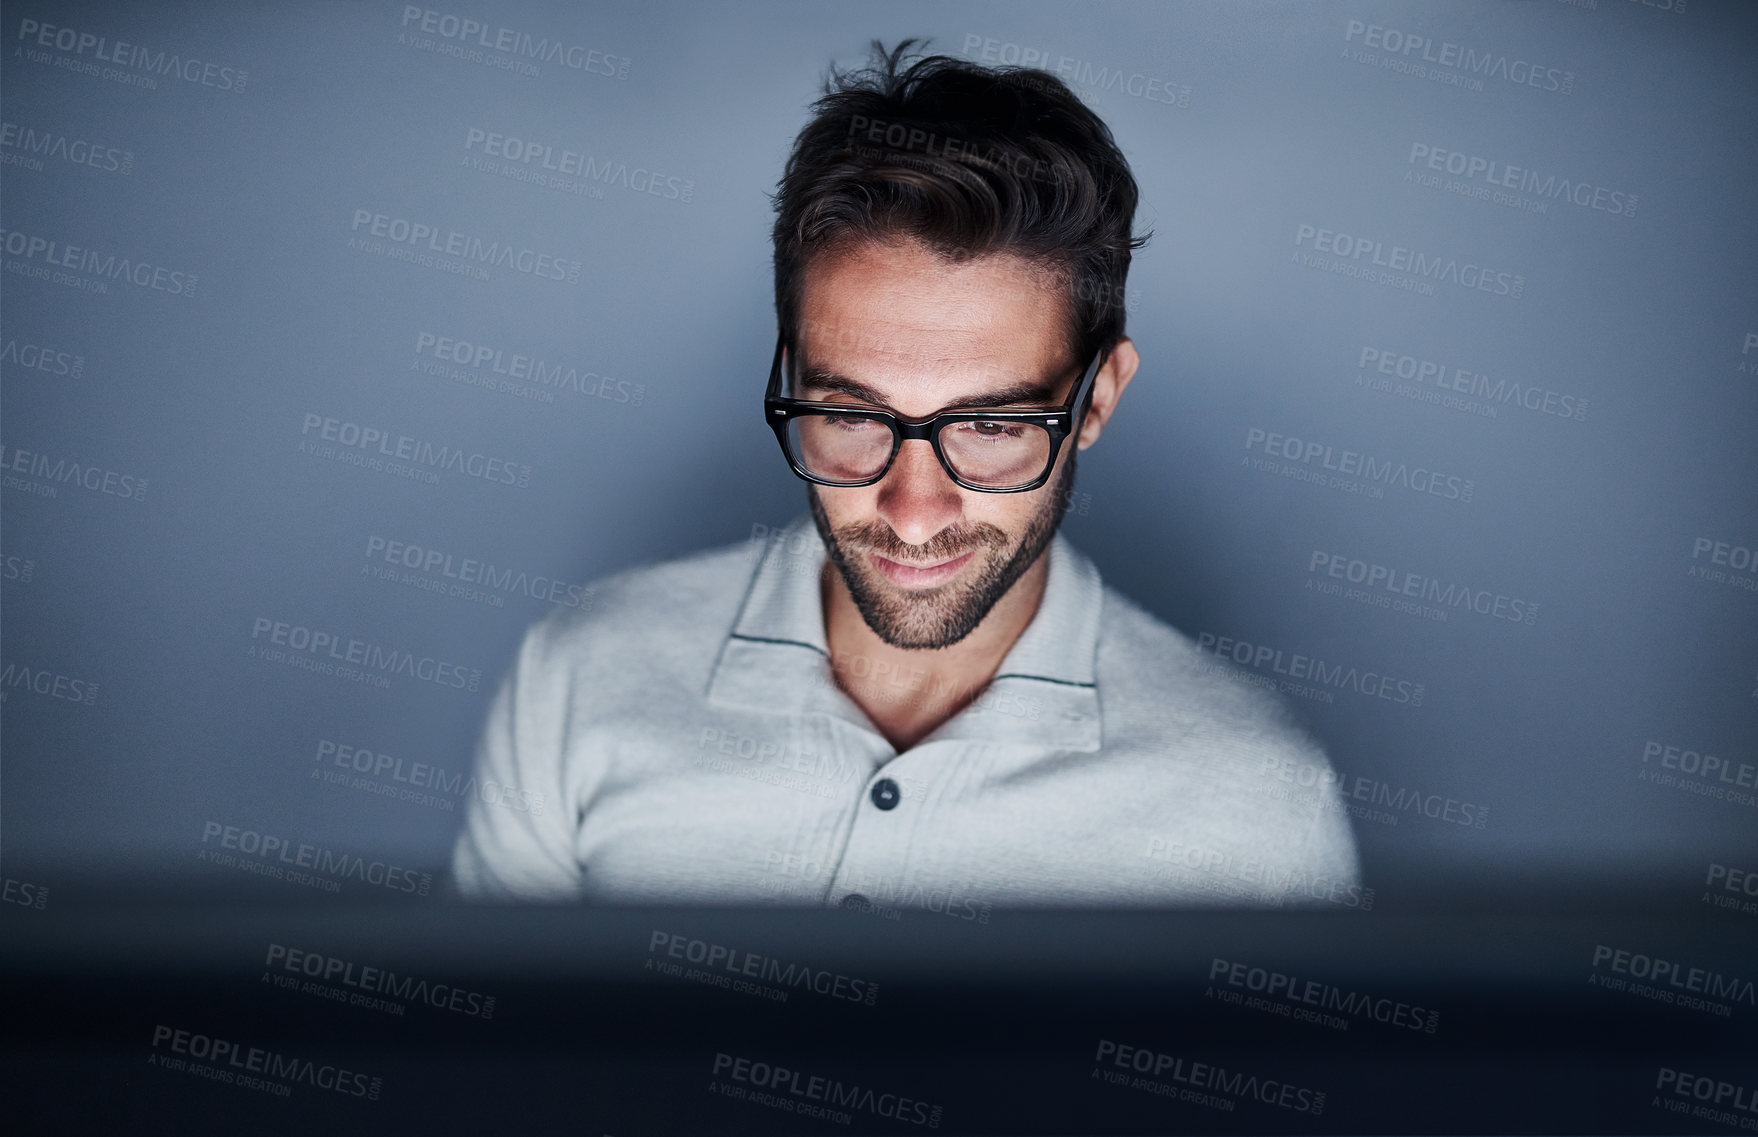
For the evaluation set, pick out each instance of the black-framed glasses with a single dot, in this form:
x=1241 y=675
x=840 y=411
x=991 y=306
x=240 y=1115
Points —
x=992 y=451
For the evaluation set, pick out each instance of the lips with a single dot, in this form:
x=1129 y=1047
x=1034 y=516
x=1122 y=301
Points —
x=912 y=574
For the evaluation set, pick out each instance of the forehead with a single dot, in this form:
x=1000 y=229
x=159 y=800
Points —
x=904 y=320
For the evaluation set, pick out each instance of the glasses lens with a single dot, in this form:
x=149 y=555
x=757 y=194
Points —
x=839 y=448
x=997 y=454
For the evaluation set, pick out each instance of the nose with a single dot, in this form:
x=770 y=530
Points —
x=917 y=497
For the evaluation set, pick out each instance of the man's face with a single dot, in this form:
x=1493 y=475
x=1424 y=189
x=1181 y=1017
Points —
x=895 y=326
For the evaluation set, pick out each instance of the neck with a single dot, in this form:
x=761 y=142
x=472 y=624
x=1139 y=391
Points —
x=909 y=692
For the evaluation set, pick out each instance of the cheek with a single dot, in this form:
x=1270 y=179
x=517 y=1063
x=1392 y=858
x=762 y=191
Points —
x=1009 y=512
x=847 y=505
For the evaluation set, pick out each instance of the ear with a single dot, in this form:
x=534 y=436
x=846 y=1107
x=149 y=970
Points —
x=1114 y=375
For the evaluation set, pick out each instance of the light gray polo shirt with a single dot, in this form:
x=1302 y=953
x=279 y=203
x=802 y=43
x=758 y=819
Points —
x=688 y=745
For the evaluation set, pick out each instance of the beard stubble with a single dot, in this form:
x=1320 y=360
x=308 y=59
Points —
x=924 y=619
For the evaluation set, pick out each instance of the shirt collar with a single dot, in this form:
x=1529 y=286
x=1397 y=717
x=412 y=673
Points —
x=1044 y=693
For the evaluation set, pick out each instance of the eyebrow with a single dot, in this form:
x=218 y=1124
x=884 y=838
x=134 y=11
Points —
x=1016 y=394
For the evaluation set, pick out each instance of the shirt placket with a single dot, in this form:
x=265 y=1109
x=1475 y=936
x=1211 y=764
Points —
x=883 y=836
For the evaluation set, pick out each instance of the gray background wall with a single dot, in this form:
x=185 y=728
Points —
x=1257 y=132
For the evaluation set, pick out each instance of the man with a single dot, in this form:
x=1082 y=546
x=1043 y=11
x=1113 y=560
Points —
x=920 y=696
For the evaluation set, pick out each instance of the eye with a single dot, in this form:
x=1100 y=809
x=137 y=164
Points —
x=854 y=425
x=991 y=429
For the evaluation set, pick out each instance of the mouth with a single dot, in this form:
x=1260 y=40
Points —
x=916 y=574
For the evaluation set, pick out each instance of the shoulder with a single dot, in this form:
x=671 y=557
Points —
x=1218 y=752
x=684 y=607
x=1153 y=674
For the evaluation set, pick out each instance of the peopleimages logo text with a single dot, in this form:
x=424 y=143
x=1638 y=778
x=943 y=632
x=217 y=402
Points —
x=364 y=653
x=803 y=1088
x=1357 y=464
x=378 y=981
x=1677 y=976
x=50 y=144
x=531 y=369
x=578 y=164
x=167 y=64
x=1711 y=1094
x=235 y=1061
x=1459 y=57
x=38 y=357
x=1198 y=1076
x=1311 y=669
x=1472 y=167
x=1401 y=582
x=1413 y=262
x=1443 y=377
x=78 y=258
x=405 y=448
x=513 y=42
x=1317 y=993
x=466 y=246
x=280 y=853
x=467 y=570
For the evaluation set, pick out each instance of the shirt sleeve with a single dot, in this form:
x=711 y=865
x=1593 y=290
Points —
x=1324 y=865
x=1330 y=842
x=520 y=821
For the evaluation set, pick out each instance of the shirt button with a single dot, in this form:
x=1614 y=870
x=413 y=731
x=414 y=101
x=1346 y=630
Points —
x=856 y=902
x=885 y=794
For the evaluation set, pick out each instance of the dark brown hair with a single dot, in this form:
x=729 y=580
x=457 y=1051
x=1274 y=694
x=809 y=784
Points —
x=969 y=160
